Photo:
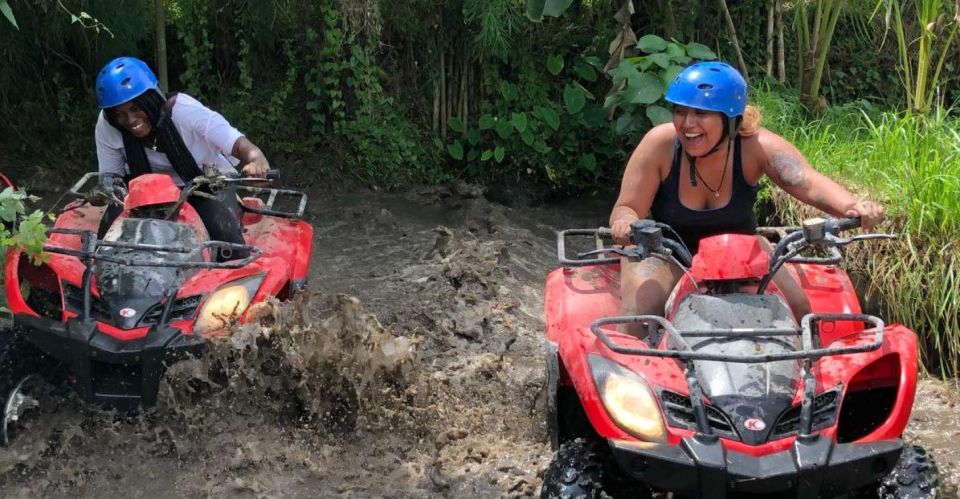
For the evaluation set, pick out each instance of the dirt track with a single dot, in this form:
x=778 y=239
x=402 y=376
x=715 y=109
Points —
x=437 y=394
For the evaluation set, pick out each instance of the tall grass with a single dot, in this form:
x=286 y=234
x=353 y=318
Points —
x=912 y=165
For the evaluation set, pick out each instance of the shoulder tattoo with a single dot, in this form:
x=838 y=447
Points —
x=788 y=168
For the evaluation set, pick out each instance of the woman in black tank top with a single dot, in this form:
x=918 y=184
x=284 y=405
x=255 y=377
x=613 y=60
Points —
x=699 y=174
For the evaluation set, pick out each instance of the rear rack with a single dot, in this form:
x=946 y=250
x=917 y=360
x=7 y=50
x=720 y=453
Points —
x=808 y=331
x=87 y=254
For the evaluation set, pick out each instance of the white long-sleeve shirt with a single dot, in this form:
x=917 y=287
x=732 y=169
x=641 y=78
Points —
x=206 y=133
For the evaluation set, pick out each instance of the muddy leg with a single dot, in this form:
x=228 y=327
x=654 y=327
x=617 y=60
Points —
x=644 y=289
x=789 y=286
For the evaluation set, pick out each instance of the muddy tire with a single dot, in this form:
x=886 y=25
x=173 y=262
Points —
x=584 y=469
x=915 y=476
x=18 y=359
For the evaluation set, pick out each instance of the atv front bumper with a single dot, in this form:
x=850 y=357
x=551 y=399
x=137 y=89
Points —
x=701 y=467
x=124 y=374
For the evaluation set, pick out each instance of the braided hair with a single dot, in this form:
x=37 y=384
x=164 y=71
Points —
x=168 y=139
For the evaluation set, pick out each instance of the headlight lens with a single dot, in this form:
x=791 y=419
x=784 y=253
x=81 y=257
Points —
x=628 y=400
x=226 y=304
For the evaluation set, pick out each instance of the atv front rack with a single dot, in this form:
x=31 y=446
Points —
x=88 y=254
x=811 y=349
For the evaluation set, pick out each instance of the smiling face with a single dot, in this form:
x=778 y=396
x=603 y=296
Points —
x=132 y=118
x=698 y=130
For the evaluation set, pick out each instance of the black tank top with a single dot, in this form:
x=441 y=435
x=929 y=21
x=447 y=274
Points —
x=736 y=217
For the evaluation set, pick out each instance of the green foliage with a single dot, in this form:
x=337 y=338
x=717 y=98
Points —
x=538 y=9
x=19 y=229
x=640 y=82
x=5 y=9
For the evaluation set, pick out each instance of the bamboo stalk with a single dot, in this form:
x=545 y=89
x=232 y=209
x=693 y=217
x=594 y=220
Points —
x=781 y=59
x=770 y=18
x=732 y=32
x=161 y=34
x=462 y=110
x=443 y=94
x=436 y=107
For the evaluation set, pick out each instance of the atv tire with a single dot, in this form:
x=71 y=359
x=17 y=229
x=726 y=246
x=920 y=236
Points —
x=584 y=469
x=915 y=476
x=18 y=359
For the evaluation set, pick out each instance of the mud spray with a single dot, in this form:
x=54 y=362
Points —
x=439 y=394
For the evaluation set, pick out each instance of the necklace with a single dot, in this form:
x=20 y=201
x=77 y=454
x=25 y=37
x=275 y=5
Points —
x=696 y=174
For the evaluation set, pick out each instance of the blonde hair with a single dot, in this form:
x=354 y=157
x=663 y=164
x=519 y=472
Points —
x=751 y=121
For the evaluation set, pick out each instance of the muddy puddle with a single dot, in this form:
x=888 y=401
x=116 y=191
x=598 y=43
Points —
x=412 y=368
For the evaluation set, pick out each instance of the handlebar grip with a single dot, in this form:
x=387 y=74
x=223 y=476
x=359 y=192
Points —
x=848 y=223
x=273 y=174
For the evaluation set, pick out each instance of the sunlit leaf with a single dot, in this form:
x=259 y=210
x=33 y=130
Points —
x=555 y=8
x=585 y=71
x=498 y=153
x=651 y=44
x=645 y=89
x=700 y=51
x=5 y=8
x=659 y=114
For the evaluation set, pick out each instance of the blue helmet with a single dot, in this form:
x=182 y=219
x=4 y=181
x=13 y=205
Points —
x=711 y=86
x=123 y=79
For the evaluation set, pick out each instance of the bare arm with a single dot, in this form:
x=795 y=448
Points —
x=641 y=179
x=251 y=157
x=787 y=168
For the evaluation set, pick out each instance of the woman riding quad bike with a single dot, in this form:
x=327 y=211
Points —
x=725 y=393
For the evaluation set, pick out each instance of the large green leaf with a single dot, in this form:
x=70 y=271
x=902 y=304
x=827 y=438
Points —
x=651 y=44
x=550 y=117
x=667 y=75
x=676 y=50
x=589 y=162
x=486 y=155
x=537 y=9
x=504 y=128
x=456 y=150
x=555 y=8
x=456 y=124
x=508 y=90
x=527 y=137
x=645 y=89
x=573 y=98
x=473 y=136
x=554 y=64
x=487 y=122
x=5 y=8
x=520 y=121
x=624 y=71
x=662 y=59
x=498 y=153
x=585 y=71
x=659 y=114
x=700 y=51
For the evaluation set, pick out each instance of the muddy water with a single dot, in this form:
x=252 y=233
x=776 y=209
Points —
x=412 y=369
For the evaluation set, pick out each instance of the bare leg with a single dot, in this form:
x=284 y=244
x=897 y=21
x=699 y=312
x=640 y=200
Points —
x=791 y=289
x=644 y=289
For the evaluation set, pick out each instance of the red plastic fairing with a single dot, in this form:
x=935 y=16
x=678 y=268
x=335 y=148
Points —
x=301 y=264
x=729 y=257
x=151 y=189
x=11 y=283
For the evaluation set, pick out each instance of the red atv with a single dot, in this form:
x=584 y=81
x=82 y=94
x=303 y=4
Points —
x=111 y=311
x=726 y=394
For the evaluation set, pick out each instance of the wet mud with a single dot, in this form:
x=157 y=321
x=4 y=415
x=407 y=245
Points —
x=413 y=367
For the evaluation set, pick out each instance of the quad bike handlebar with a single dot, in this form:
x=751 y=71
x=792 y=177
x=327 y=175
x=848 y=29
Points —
x=646 y=237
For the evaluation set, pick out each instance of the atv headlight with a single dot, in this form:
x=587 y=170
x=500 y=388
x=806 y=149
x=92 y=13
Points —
x=226 y=304
x=628 y=400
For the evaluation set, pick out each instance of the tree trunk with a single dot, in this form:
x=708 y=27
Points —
x=770 y=17
x=732 y=32
x=161 y=34
x=670 y=27
x=781 y=60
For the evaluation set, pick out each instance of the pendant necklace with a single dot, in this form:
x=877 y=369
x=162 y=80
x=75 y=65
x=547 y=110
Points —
x=694 y=174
